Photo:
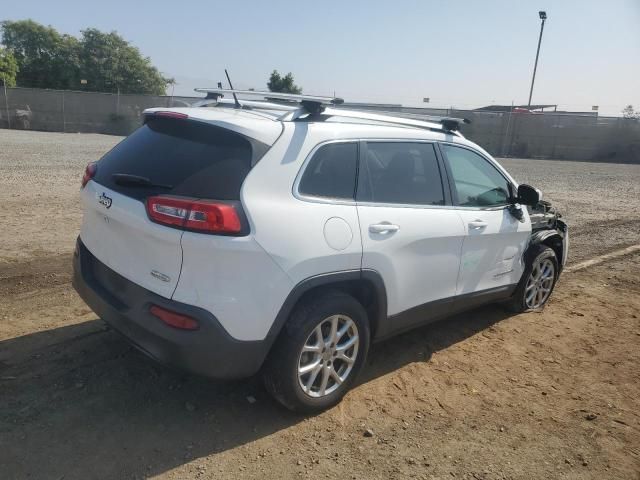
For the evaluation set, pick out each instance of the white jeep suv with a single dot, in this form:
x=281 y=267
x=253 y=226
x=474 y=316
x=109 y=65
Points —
x=284 y=239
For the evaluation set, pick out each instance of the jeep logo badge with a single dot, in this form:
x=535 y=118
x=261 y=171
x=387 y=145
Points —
x=160 y=276
x=104 y=200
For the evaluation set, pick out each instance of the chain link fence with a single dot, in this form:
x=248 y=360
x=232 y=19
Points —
x=561 y=136
x=83 y=112
x=506 y=134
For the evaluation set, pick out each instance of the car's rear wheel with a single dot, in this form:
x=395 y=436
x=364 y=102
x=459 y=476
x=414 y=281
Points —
x=538 y=280
x=319 y=353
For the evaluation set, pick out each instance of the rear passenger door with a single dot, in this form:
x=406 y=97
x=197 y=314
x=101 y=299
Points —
x=410 y=232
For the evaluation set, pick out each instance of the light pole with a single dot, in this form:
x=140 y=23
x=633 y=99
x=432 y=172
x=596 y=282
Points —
x=543 y=17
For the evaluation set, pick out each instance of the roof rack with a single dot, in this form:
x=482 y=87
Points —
x=247 y=104
x=438 y=124
x=315 y=105
x=311 y=104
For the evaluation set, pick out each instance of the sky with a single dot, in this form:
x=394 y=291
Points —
x=460 y=53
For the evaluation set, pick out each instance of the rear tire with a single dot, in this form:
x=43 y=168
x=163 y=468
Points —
x=538 y=280
x=319 y=352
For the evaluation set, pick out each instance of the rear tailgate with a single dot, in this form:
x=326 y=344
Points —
x=123 y=238
x=174 y=157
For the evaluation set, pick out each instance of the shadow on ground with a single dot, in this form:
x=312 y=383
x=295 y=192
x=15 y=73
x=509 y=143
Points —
x=79 y=399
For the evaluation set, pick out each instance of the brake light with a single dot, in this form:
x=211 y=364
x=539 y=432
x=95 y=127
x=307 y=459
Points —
x=173 y=319
x=199 y=215
x=89 y=173
x=169 y=114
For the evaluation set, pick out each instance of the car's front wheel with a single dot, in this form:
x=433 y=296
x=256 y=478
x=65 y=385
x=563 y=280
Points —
x=319 y=353
x=538 y=280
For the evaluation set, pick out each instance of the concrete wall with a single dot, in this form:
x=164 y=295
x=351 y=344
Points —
x=558 y=136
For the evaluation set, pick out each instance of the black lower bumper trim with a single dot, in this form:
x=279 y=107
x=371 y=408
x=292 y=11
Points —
x=209 y=351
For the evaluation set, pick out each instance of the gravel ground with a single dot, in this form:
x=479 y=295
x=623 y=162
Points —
x=601 y=202
x=40 y=176
x=485 y=395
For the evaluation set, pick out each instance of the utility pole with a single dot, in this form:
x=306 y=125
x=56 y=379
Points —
x=6 y=102
x=543 y=17
x=506 y=133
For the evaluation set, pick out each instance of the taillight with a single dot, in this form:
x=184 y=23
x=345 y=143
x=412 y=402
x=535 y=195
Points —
x=199 y=215
x=173 y=319
x=89 y=173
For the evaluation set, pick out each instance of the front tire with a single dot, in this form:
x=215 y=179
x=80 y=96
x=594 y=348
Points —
x=319 y=353
x=538 y=280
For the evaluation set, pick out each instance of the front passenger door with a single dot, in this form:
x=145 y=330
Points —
x=494 y=239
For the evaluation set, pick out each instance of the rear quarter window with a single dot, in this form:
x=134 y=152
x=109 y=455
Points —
x=181 y=157
x=331 y=172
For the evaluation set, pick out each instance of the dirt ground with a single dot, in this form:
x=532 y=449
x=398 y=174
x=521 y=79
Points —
x=484 y=395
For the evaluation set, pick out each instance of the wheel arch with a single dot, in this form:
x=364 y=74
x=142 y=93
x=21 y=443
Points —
x=366 y=286
x=552 y=239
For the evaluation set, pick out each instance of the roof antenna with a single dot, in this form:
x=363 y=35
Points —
x=235 y=98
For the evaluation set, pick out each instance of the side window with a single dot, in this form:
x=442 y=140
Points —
x=331 y=172
x=401 y=172
x=477 y=183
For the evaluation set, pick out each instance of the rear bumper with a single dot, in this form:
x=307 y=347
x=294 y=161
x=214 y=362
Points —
x=209 y=351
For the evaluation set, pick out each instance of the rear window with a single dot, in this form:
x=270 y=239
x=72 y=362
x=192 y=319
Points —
x=181 y=158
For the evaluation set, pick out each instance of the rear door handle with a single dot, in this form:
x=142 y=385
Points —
x=478 y=224
x=383 y=228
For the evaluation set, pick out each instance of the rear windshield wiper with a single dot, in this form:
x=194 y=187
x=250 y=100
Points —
x=129 y=180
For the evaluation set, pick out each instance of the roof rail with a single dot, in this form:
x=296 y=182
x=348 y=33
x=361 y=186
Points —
x=308 y=103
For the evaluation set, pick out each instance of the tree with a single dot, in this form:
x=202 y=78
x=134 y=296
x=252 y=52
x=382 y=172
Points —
x=285 y=84
x=108 y=63
x=629 y=112
x=45 y=58
x=8 y=68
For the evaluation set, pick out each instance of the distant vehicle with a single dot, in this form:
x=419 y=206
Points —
x=525 y=110
x=24 y=117
x=284 y=239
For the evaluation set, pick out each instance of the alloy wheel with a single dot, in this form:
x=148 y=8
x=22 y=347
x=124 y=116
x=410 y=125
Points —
x=328 y=355
x=539 y=283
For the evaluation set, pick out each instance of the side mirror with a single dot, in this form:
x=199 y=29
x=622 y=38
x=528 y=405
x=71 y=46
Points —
x=527 y=195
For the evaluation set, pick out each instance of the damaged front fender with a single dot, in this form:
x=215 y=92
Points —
x=548 y=228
